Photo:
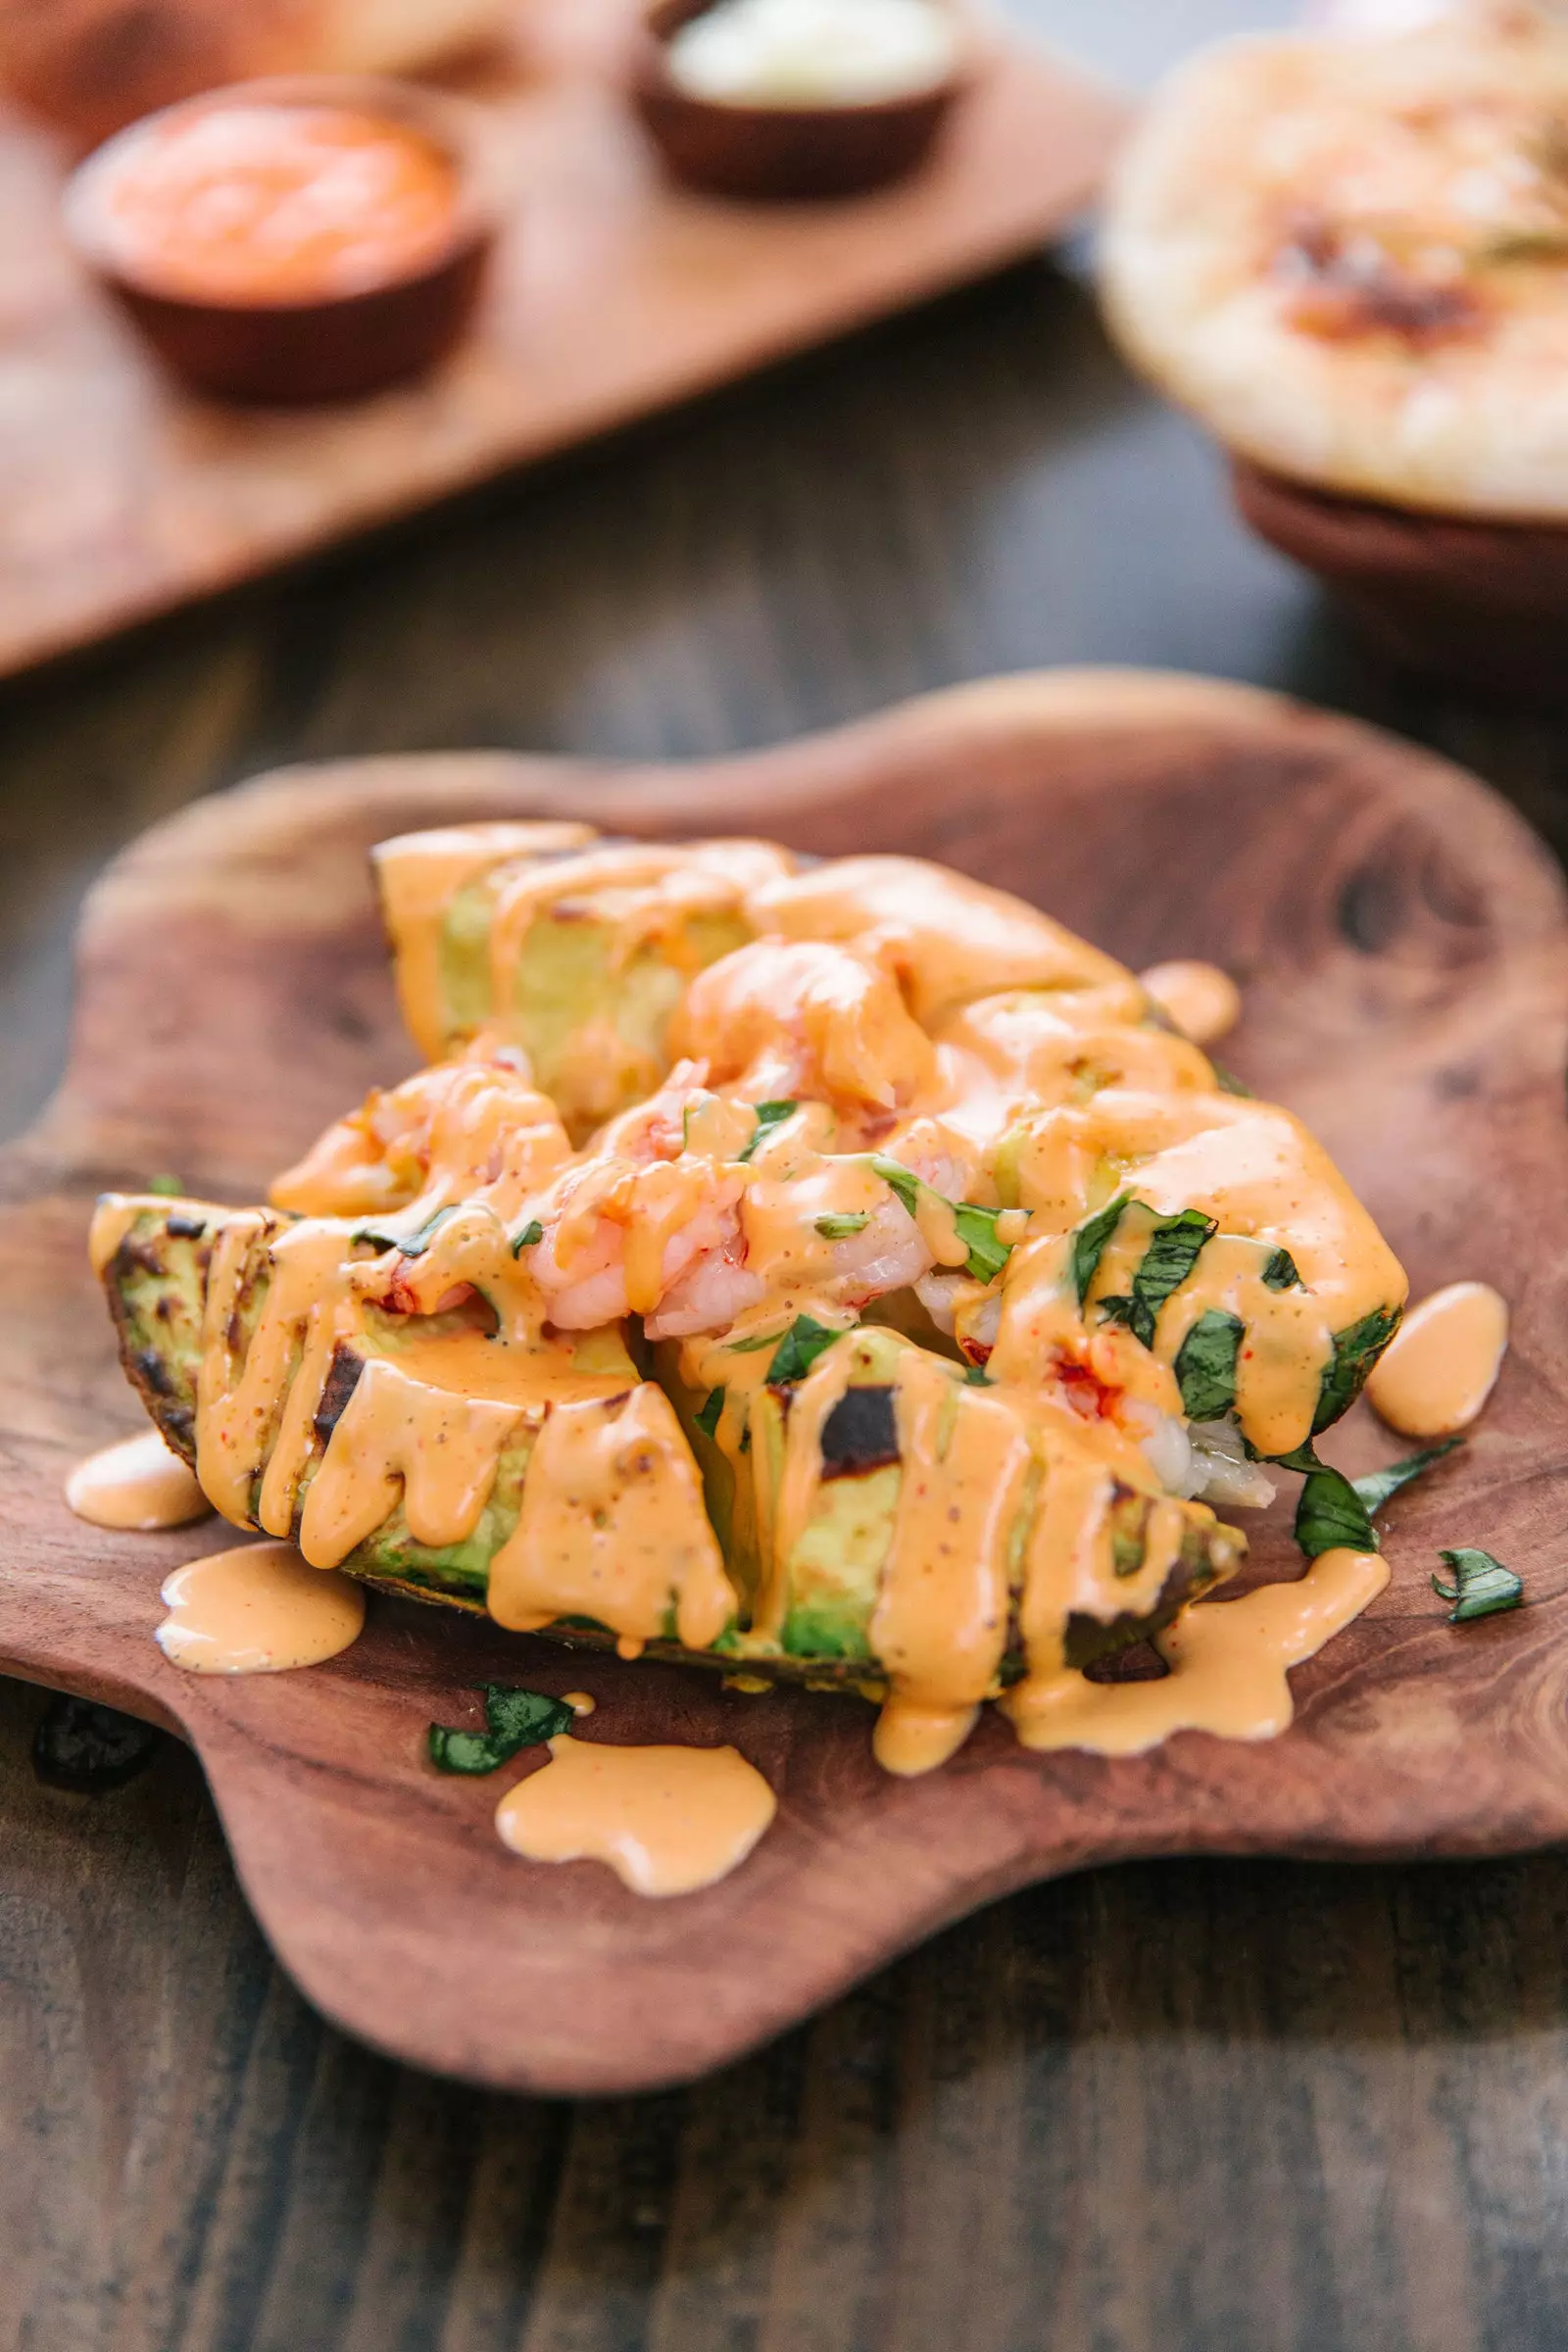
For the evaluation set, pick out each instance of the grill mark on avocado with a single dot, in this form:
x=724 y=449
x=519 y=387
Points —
x=151 y=1368
x=342 y=1379
x=185 y=1229
x=860 y=1434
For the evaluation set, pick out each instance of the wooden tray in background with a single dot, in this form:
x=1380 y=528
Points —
x=614 y=295
x=1404 y=947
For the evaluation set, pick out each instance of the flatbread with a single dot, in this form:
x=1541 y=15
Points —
x=95 y=65
x=1350 y=260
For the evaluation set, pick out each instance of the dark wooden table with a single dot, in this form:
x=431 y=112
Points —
x=1204 y=2107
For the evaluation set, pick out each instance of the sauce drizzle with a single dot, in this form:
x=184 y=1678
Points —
x=257 y=1609
x=138 y=1485
x=1443 y=1363
x=667 y=1820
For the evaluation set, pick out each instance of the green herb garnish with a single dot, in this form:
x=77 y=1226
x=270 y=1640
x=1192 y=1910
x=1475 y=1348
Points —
x=1172 y=1256
x=1280 y=1274
x=417 y=1244
x=1089 y=1242
x=976 y=1228
x=708 y=1418
x=1330 y=1514
x=1228 y=1082
x=514 y=1718
x=1355 y=1351
x=798 y=1350
x=1205 y=1364
x=1378 y=1487
x=170 y=1187
x=840 y=1228
x=533 y=1232
x=769 y=1116
x=977 y=1377
x=1481 y=1586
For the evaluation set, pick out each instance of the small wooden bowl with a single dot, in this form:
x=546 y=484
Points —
x=325 y=348
x=1479 y=605
x=781 y=153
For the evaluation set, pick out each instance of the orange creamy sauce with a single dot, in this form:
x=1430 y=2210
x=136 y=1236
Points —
x=273 y=203
x=1204 y=1002
x=667 y=1820
x=1443 y=1363
x=137 y=1485
x=257 y=1609
x=903 y=1011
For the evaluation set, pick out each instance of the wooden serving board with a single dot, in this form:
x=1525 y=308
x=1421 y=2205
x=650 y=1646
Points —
x=614 y=294
x=1402 y=942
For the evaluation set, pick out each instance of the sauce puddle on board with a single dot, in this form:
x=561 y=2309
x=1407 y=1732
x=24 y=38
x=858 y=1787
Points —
x=1204 y=1002
x=1228 y=1666
x=136 y=1485
x=258 y=1609
x=667 y=1820
x=1441 y=1364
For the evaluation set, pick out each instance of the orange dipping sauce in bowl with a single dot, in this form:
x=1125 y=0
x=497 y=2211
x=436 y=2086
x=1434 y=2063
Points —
x=309 y=238
x=267 y=202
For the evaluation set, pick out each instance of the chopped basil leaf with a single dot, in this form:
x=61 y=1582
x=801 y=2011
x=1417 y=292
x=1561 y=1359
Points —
x=1481 y=1585
x=1355 y=1351
x=417 y=1244
x=976 y=1228
x=977 y=1377
x=1205 y=1365
x=168 y=1186
x=840 y=1228
x=1228 y=1082
x=708 y=1418
x=899 y=1179
x=1331 y=1513
x=769 y=1116
x=532 y=1233
x=1303 y=1458
x=798 y=1350
x=1172 y=1256
x=752 y=1346
x=1377 y=1487
x=1089 y=1242
x=514 y=1718
x=1280 y=1274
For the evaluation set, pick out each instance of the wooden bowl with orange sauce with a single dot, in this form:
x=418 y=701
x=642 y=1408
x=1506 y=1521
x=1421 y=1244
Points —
x=302 y=239
x=785 y=152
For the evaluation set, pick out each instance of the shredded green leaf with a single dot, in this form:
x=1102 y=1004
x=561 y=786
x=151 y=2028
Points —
x=417 y=1244
x=1355 y=1351
x=975 y=1226
x=1205 y=1364
x=1280 y=1274
x=532 y=1233
x=1378 y=1487
x=514 y=1718
x=1329 y=1513
x=1228 y=1082
x=1481 y=1585
x=977 y=1377
x=708 y=1418
x=170 y=1187
x=1172 y=1256
x=799 y=1350
x=754 y=1345
x=1089 y=1242
x=840 y=1228
x=769 y=1116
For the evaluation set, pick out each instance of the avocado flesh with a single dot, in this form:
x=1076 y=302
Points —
x=156 y=1285
x=591 y=1005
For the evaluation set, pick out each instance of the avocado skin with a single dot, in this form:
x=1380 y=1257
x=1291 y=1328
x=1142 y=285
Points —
x=156 y=1286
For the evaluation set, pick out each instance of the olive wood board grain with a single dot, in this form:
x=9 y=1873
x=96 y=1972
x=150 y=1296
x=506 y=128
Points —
x=1401 y=937
x=614 y=294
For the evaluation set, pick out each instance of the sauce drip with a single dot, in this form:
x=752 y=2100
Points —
x=1443 y=1363
x=1204 y=1002
x=667 y=1820
x=271 y=202
x=1228 y=1664
x=257 y=1609
x=137 y=1483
